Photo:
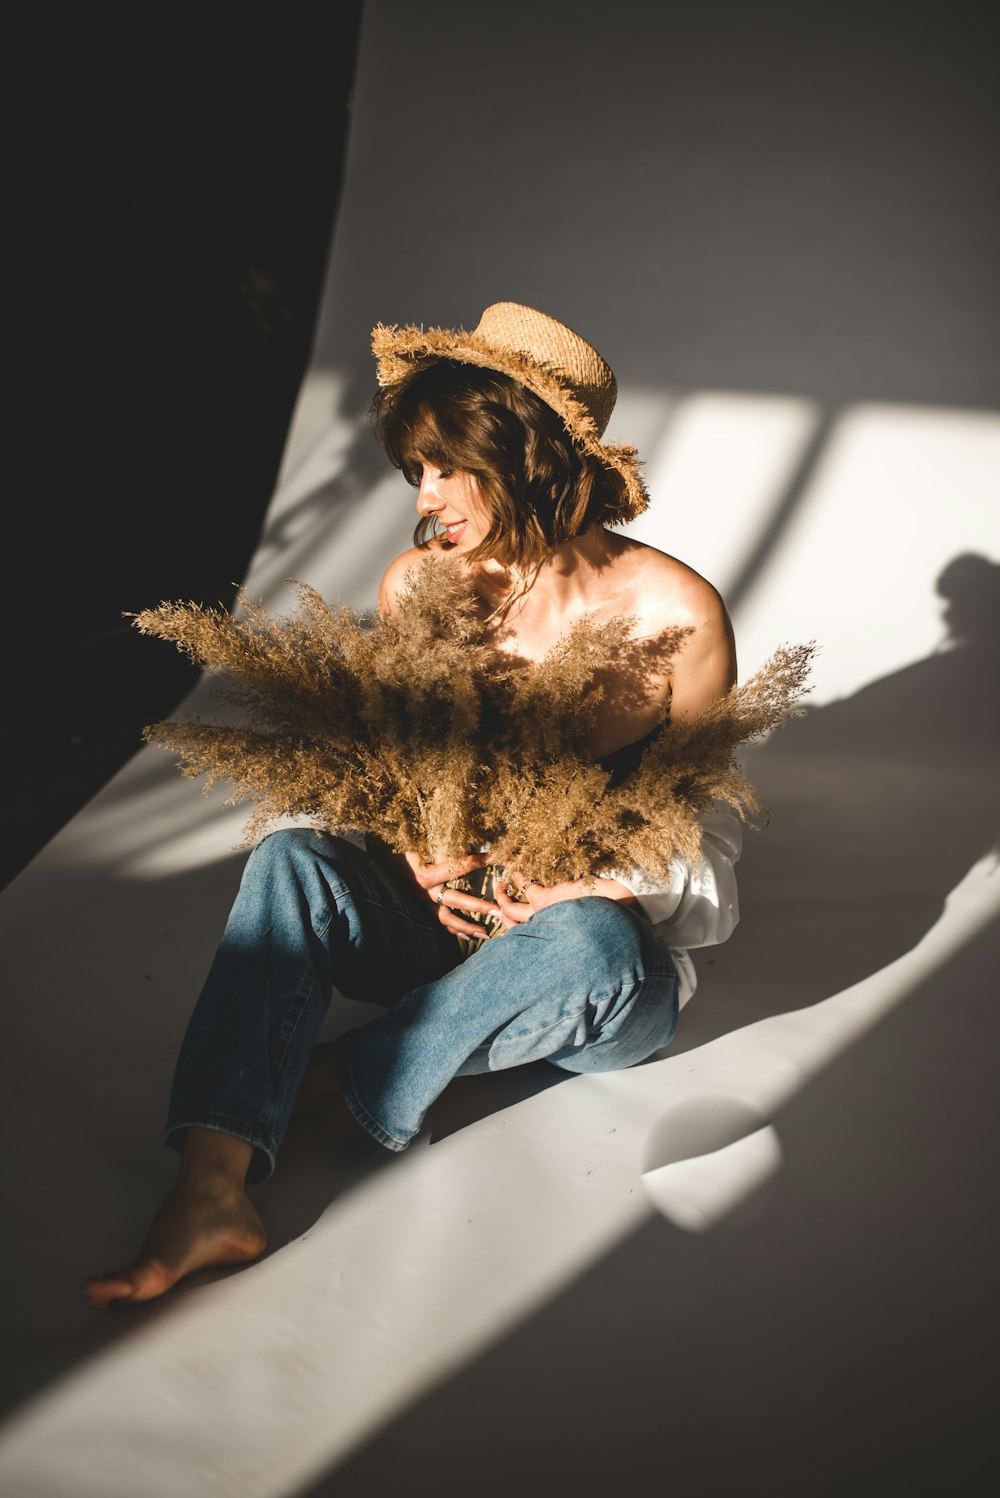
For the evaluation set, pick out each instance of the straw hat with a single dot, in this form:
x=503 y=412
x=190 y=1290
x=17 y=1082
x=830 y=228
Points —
x=549 y=358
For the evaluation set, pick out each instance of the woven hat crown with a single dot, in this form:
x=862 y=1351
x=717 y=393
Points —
x=523 y=330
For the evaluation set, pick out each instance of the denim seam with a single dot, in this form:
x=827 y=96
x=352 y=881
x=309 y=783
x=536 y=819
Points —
x=633 y=981
x=649 y=978
x=276 y=1068
x=539 y=1029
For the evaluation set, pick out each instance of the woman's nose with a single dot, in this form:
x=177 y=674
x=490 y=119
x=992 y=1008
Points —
x=429 y=500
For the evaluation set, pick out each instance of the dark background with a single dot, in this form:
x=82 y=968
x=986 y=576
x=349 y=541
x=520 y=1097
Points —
x=175 y=190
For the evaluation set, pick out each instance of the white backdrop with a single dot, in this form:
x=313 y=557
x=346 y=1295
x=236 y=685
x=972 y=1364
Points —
x=780 y=1232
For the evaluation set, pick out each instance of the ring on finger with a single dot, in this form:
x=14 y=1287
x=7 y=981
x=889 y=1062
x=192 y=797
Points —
x=440 y=894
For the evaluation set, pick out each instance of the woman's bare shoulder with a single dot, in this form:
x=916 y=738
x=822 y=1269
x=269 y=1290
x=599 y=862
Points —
x=668 y=591
x=394 y=579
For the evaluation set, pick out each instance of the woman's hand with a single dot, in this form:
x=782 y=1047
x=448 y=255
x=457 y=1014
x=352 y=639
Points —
x=537 y=896
x=432 y=879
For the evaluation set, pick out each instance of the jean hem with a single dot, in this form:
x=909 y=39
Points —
x=367 y=1121
x=265 y=1151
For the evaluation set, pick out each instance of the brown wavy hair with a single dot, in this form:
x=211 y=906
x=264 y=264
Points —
x=538 y=489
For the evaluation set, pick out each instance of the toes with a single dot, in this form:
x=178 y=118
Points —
x=124 y=1287
x=108 y=1289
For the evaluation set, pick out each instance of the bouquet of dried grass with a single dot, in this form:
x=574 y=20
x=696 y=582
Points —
x=415 y=729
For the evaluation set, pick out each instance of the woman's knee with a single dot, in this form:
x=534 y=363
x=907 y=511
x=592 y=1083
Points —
x=599 y=930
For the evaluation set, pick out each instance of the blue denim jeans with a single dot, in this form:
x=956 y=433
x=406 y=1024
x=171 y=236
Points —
x=584 y=984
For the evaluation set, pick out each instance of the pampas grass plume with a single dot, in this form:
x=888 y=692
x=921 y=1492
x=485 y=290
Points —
x=415 y=729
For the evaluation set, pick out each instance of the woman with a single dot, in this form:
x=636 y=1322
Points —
x=500 y=431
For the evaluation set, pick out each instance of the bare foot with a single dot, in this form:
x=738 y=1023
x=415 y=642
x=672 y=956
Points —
x=193 y=1230
x=207 y=1221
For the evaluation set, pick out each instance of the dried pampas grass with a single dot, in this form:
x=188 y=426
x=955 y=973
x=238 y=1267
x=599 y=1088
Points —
x=415 y=729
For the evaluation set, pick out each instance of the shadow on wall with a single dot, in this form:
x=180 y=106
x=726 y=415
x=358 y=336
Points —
x=314 y=523
x=879 y=805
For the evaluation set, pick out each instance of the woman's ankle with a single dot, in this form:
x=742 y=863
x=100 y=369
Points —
x=214 y=1160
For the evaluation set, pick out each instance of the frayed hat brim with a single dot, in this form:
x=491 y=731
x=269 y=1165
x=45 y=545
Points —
x=401 y=351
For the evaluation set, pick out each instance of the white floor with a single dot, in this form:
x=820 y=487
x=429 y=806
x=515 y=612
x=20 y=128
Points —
x=764 y=1263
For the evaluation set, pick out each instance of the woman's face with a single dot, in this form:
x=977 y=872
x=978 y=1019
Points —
x=453 y=499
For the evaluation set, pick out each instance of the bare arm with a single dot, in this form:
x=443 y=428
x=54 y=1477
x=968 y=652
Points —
x=705 y=668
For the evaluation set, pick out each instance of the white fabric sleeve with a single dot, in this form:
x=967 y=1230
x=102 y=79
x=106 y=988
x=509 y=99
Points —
x=698 y=906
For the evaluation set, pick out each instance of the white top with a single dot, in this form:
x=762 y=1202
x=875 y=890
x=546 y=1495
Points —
x=699 y=906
